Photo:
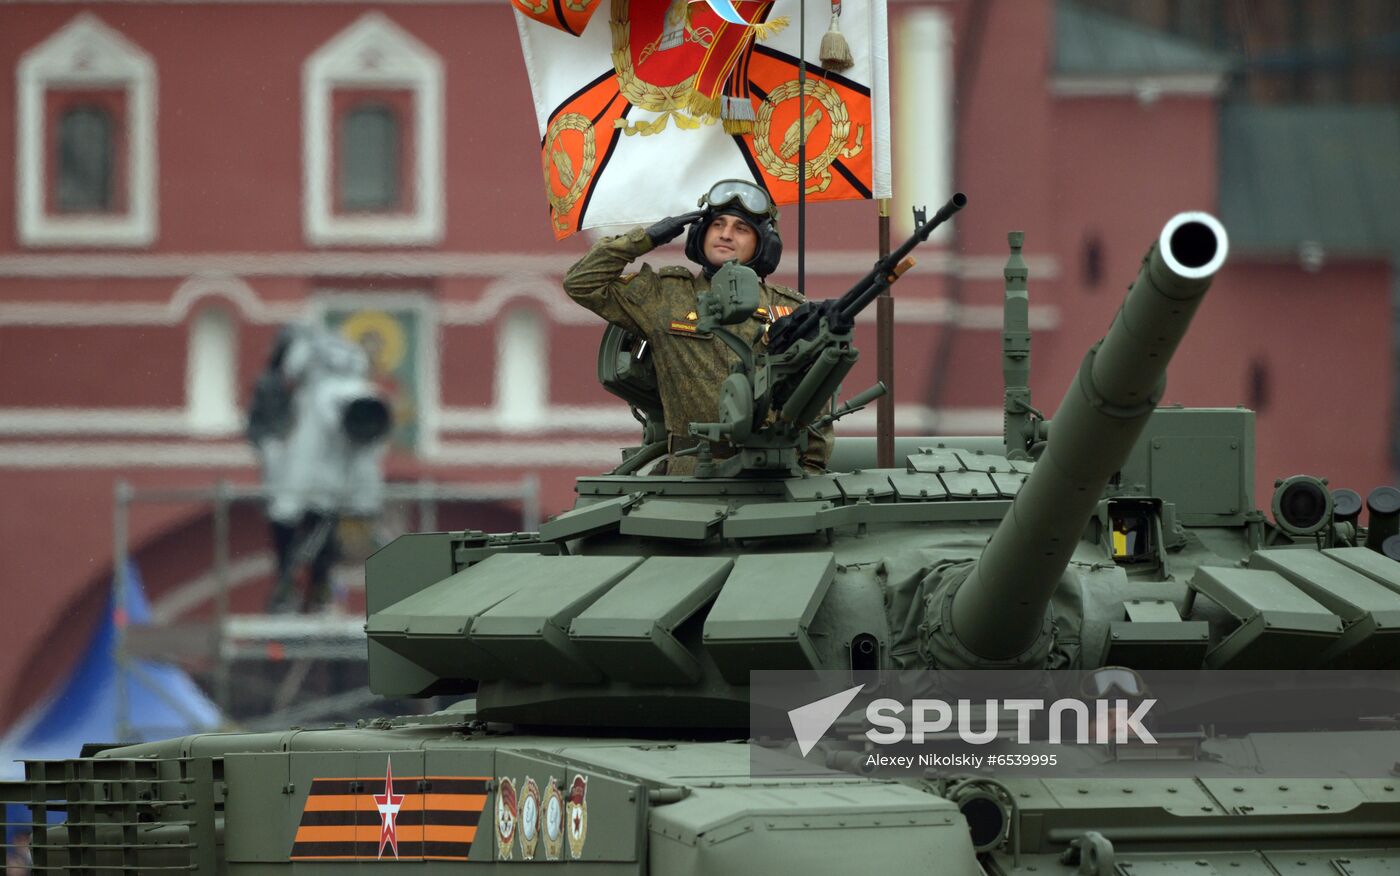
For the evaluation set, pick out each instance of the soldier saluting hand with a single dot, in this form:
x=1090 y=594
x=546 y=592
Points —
x=737 y=222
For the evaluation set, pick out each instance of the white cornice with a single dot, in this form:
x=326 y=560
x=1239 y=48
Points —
x=1145 y=88
x=482 y=423
x=128 y=455
x=483 y=312
x=551 y=265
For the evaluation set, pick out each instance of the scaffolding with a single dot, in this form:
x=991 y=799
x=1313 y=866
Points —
x=299 y=641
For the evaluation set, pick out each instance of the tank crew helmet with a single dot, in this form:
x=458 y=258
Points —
x=748 y=201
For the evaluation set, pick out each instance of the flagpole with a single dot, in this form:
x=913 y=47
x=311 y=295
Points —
x=802 y=148
x=884 y=356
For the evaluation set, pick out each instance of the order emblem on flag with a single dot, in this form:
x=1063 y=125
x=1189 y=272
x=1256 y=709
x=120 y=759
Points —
x=657 y=99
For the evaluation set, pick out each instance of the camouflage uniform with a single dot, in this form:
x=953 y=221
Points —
x=660 y=306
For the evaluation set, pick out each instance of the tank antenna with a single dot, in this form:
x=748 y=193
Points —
x=1018 y=423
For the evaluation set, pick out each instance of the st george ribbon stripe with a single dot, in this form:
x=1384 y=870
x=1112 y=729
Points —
x=408 y=785
x=406 y=818
x=438 y=818
x=458 y=851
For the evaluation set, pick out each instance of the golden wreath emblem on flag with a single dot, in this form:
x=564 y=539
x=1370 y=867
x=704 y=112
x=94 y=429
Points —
x=828 y=118
x=718 y=98
x=569 y=162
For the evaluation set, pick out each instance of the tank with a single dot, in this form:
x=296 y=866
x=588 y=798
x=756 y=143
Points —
x=604 y=663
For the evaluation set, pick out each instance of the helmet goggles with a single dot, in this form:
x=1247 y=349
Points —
x=749 y=196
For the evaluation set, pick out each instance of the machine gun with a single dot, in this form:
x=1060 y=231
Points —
x=840 y=313
x=774 y=398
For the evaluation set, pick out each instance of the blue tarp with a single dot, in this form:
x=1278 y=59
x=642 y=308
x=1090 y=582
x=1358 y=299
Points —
x=161 y=699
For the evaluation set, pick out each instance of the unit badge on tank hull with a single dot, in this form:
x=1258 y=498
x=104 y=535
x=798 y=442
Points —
x=576 y=813
x=506 y=818
x=552 y=815
x=529 y=819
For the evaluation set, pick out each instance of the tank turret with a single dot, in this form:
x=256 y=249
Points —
x=1067 y=543
x=997 y=614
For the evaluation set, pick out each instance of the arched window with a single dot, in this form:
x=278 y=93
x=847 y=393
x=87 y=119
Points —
x=85 y=152
x=372 y=138
x=211 y=372
x=85 y=159
x=522 y=354
x=370 y=159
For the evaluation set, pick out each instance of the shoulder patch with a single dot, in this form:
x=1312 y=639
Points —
x=676 y=271
x=789 y=294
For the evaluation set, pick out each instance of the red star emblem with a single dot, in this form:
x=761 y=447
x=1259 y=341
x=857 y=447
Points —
x=388 y=805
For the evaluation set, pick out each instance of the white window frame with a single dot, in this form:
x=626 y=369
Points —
x=372 y=53
x=85 y=54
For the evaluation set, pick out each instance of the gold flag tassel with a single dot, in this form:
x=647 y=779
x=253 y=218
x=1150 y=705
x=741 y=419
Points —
x=703 y=105
x=737 y=113
x=835 y=51
x=764 y=29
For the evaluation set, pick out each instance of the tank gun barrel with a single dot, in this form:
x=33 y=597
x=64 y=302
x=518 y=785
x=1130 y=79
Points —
x=998 y=613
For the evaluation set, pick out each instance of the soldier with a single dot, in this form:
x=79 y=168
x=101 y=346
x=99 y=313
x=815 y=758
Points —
x=738 y=221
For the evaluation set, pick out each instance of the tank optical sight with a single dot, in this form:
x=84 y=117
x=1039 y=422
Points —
x=1302 y=505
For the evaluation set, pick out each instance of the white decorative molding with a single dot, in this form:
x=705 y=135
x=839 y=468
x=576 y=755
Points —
x=223 y=276
x=486 y=423
x=505 y=453
x=512 y=453
x=1146 y=88
x=232 y=290
x=544 y=292
x=613 y=418
x=105 y=313
x=125 y=454
x=519 y=269
x=226 y=286
x=86 y=54
x=94 y=421
x=609 y=418
x=372 y=53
